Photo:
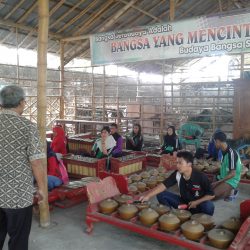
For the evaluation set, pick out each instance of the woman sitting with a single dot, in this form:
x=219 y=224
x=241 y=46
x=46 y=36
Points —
x=135 y=140
x=59 y=142
x=53 y=169
x=104 y=145
x=171 y=142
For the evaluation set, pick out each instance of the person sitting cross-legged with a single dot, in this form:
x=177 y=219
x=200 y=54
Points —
x=117 y=150
x=230 y=170
x=194 y=186
x=103 y=146
x=53 y=169
x=134 y=141
x=171 y=142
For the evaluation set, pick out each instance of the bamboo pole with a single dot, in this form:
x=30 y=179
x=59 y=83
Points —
x=17 y=56
x=242 y=62
x=103 y=95
x=162 y=103
x=43 y=11
x=62 y=80
x=172 y=10
x=117 y=98
x=27 y=28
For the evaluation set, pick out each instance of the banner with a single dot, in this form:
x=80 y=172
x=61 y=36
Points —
x=201 y=36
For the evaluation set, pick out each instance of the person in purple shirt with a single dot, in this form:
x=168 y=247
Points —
x=117 y=151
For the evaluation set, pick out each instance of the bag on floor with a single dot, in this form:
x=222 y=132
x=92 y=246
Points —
x=64 y=173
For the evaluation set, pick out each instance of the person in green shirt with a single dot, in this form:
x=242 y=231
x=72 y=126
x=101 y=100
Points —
x=230 y=169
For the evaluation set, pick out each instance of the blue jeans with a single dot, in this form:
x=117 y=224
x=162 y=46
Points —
x=173 y=200
x=53 y=182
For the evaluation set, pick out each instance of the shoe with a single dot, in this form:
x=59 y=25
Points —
x=229 y=198
x=233 y=195
x=236 y=192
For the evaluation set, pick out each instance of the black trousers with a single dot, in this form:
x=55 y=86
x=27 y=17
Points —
x=17 y=223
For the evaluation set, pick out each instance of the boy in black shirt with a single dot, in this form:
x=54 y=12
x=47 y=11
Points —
x=195 y=189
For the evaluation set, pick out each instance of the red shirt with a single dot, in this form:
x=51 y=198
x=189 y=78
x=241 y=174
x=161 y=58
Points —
x=53 y=167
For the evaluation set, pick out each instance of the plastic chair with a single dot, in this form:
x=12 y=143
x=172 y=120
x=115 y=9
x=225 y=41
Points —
x=190 y=134
x=244 y=151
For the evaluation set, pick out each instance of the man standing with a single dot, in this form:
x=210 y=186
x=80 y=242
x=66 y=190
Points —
x=230 y=169
x=194 y=187
x=117 y=150
x=21 y=157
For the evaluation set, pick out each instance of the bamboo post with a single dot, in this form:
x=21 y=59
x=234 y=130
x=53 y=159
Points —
x=172 y=10
x=17 y=56
x=162 y=103
x=213 y=116
x=242 y=62
x=43 y=10
x=93 y=99
x=62 y=80
x=117 y=98
x=103 y=95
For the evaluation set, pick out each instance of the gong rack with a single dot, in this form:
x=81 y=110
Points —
x=115 y=184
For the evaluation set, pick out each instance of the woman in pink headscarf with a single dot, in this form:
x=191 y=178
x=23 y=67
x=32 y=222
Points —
x=59 y=141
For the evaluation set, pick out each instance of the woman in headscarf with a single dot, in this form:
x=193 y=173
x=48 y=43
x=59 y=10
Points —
x=135 y=140
x=59 y=141
x=53 y=169
x=171 y=142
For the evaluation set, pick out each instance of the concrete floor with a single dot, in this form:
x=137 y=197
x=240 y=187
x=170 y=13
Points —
x=67 y=230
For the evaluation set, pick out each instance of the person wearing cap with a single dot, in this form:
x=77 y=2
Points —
x=194 y=187
x=230 y=169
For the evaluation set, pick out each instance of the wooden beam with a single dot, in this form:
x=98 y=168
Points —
x=55 y=43
x=220 y=5
x=92 y=18
x=117 y=15
x=66 y=14
x=141 y=10
x=131 y=23
x=52 y=11
x=134 y=21
x=171 y=10
x=7 y=36
x=14 y=9
x=27 y=13
x=31 y=43
x=76 y=38
x=43 y=25
x=111 y=21
x=26 y=28
x=80 y=48
x=190 y=8
x=236 y=3
x=56 y=7
x=62 y=80
x=167 y=12
x=82 y=13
